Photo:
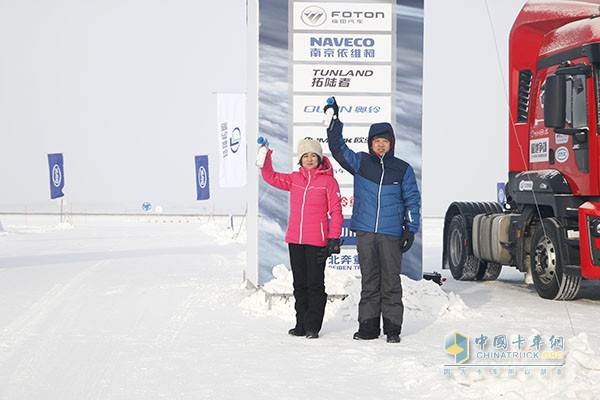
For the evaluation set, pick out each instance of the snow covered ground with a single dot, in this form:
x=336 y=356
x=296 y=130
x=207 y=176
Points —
x=155 y=307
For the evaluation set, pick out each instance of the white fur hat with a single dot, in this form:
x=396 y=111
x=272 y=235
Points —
x=309 y=146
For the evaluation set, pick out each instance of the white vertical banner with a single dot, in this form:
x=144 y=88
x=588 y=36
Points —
x=231 y=125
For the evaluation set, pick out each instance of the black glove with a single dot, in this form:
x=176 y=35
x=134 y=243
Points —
x=406 y=240
x=334 y=106
x=333 y=247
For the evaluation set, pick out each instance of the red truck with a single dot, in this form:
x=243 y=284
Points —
x=549 y=225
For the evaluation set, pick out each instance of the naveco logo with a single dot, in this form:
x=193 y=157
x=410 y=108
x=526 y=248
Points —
x=56 y=175
x=202 y=177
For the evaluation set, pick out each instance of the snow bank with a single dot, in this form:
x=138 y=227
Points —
x=422 y=299
x=221 y=229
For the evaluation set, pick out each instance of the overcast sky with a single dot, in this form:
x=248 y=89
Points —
x=126 y=91
x=465 y=111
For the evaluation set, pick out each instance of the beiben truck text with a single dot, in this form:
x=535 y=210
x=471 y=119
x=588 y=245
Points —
x=549 y=226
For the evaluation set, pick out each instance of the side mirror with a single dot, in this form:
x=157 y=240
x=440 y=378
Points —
x=555 y=101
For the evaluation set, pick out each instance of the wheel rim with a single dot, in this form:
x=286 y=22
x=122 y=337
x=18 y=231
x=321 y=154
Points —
x=545 y=260
x=455 y=247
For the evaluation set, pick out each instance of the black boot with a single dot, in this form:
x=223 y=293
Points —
x=368 y=329
x=393 y=338
x=392 y=331
x=297 y=331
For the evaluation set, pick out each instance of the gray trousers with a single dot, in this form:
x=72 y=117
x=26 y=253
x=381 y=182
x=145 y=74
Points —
x=380 y=261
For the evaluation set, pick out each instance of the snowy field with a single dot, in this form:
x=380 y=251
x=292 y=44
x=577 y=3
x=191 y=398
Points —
x=156 y=308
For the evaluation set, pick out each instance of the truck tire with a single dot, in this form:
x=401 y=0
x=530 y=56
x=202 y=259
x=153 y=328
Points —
x=489 y=271
x=547 y=264
x=464 y=266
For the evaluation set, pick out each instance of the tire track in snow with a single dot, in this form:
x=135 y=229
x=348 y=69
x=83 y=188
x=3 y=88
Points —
x=23 y=337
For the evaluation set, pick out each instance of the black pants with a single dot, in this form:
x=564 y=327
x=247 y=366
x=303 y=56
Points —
x=309 y=286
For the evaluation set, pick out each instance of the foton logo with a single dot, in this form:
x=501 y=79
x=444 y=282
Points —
x=358 y=14
x=314 y=16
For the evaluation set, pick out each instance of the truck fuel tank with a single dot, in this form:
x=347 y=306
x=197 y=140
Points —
x=491 y=238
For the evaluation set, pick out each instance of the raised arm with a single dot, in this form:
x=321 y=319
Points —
x=276 y=179
x=348 y=159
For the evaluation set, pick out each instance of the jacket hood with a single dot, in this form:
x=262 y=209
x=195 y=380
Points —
x=382 y=129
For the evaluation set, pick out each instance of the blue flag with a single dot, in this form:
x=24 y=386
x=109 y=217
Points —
x=202 y=181
x=57 y=175
x=501 y=191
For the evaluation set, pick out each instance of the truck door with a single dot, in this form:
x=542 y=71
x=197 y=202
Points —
x=565 y=145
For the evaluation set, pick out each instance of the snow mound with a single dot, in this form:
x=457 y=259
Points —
x=220 y=229
x=427 y=299
x=422 y=299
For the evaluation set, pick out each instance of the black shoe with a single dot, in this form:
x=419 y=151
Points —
x=297 y=332
x=312 y=335
x=393 y=338
x=363 y=336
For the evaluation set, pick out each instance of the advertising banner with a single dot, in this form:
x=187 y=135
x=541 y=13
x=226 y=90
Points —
x=202 y=178
x=369 y=55
x=231 y=119
x=57 y=175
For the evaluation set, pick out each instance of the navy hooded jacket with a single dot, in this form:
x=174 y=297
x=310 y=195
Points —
x=386 y=195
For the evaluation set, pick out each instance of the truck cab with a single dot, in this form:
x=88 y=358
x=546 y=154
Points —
x=549 y=226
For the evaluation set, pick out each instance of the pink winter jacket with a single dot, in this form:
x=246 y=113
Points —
x=313 y=194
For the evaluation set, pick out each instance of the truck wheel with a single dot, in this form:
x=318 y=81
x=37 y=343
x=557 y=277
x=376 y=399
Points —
x=547 y=264
x=463 y=264
x=489 y=271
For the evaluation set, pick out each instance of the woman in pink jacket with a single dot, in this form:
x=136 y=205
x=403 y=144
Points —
x=311 y=235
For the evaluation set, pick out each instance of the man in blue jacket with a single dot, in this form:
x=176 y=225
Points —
x=385 y=217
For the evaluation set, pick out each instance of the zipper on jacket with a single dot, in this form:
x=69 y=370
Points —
x=302 y=212
x=379 y=193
